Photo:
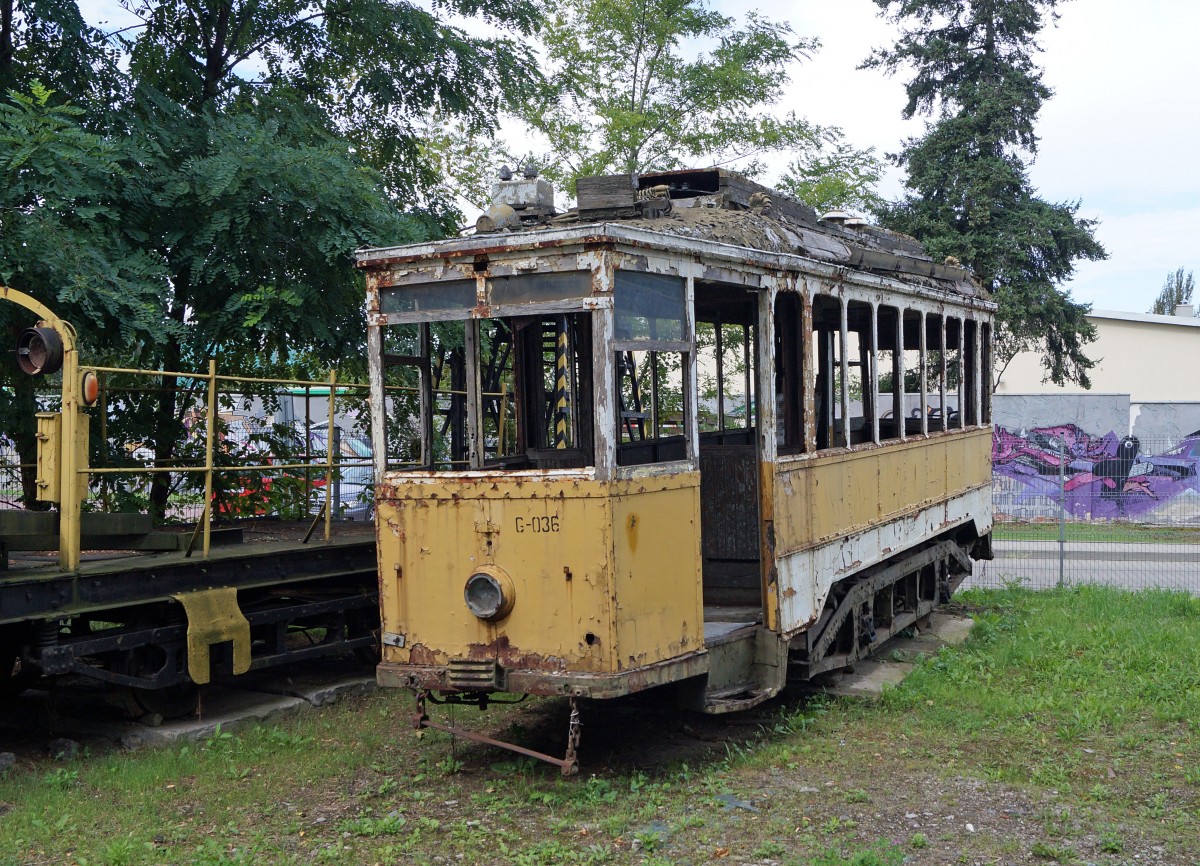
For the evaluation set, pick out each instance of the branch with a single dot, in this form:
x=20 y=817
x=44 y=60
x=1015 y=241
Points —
x=107 y=36
x=263 y=43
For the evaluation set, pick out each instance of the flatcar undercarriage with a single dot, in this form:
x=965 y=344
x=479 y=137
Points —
x=152 y=628
x=861 y=614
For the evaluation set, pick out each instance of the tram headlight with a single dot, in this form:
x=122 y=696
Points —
x=489 y=594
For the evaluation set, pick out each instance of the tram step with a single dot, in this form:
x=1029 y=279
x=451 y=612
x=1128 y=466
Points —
x=736 y=699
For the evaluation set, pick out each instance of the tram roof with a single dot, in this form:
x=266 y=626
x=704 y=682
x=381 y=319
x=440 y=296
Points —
x=715 y=209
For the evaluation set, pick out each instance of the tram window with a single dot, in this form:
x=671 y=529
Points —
x=914 y=373
x=954 y=373
x=970 y=388
x=497 y=391
x=860 y=368
x=425 y=387
x=789 y=373
x=725 y=376
x=649 y=306
x=890 y=373
x=651 y=407
x=552 y=403
x=535 y=406
x=985 y=373
x=402 y=394
x=426 y=297
x=527 y=288
x=827 y=360
x=651 y=355
x=937 y=392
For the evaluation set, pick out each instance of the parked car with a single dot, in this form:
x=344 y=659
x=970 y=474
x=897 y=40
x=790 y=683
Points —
x=353 y=484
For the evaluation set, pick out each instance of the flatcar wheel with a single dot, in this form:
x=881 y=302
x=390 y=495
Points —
x=13 y=678
x=170 y=702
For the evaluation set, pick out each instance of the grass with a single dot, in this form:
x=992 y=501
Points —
x=1098 y=531
x=1066 y=730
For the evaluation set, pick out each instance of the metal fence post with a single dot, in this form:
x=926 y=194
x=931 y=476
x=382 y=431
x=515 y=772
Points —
x=1062 y=513
x=209 y=430
x=329 y=456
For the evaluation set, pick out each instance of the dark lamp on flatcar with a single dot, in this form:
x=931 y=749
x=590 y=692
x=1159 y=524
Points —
x=489 y=594
x=89 y=391
x=39 y=352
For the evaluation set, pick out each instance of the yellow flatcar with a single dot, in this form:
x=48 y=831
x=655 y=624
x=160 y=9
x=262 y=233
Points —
x=687 y=433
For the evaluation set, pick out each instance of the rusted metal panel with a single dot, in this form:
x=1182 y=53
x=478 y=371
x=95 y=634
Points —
x=806 y=576
x=565 y=683
x=765 y=387
x=657 y=595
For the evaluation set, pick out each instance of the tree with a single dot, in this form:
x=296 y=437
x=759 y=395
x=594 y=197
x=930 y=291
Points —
x=624 y=95
x=969 y=191
x=835 y=176
x=1175 y=291
x=263 y=142
x=50 y=42
x=63 y=239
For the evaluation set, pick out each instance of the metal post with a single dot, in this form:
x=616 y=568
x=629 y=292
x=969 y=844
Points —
x=1062 y=513
x=335 y=445
x=307 y=445
x=329 y=457
x=107 y=487
x=74 y=464
x=500 y=434
x=210 y=425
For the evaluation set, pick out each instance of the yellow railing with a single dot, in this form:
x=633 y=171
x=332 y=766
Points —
x=72 y=461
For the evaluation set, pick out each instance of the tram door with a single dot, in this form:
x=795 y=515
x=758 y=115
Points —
x=726 y=335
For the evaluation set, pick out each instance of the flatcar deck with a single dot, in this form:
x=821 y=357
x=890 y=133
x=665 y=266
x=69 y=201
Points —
x=33 y=588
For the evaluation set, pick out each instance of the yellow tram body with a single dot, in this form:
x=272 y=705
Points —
x=604 y=575
x=688 y=433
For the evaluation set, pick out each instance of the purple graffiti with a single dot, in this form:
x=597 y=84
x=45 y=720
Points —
x=1105 y=477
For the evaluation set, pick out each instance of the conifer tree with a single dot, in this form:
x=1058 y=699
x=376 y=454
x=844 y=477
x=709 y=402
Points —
x=969 y=193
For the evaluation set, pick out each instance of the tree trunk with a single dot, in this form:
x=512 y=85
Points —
x=24 y=433
x=167 y=430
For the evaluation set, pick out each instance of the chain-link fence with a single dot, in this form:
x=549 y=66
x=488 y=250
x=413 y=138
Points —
x=1072 y=508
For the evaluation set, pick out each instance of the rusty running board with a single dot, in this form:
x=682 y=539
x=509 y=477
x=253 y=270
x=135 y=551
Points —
x=569 y=763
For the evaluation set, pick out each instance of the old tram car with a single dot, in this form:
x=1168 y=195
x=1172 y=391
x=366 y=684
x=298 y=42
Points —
x=687 y=433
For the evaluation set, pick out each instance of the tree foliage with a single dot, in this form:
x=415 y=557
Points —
x=220 y=162
x=835 y=176
x=973 y=71
x=629 y=92
x=1176 y=290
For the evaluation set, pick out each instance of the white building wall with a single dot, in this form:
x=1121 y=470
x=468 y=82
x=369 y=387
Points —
x=1151 y=358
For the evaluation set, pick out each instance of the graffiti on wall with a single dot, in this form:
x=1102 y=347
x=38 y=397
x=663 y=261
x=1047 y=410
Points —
x=1105 y=477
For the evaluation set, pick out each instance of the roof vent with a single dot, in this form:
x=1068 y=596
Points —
x=1185 y=310
x=837 y=217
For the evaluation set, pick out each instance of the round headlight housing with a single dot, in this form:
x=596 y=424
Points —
x=489 y=594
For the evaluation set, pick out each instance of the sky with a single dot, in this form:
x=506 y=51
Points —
x=1118 y=136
